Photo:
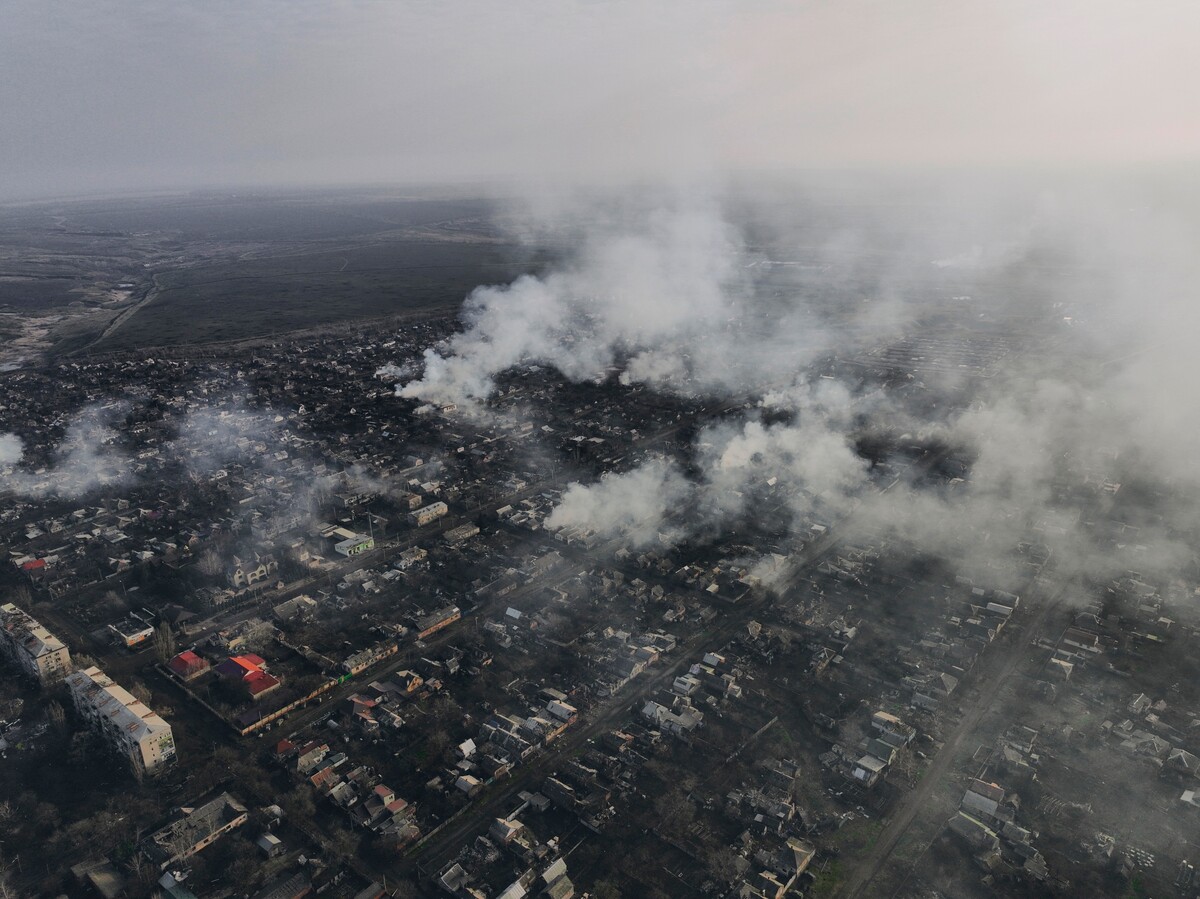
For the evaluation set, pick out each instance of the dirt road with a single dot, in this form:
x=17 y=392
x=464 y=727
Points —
x=994 y=668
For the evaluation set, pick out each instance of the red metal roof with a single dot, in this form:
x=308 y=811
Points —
x=243 y=665
x=259 y=682
x=186 y=662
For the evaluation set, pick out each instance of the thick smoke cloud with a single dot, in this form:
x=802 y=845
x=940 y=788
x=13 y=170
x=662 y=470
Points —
x=636 y=505
x=811 y=461
x=1105 y=409
x=646 y=297
x=1023 y=449
x=818 y=461
x=11 y=449
x=721 y=291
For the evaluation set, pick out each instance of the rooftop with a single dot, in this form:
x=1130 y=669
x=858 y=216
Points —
x=181 y=836
x=117 y=704
x=25 y=630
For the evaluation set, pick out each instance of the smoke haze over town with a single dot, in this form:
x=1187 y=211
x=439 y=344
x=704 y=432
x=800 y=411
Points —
x=624 y=449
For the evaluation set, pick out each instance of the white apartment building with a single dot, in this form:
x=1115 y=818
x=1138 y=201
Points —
x=130 y=727
x=425 y=515
x=39 y=653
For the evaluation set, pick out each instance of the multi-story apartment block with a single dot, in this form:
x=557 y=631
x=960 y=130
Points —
x=130 y=727
x=39 y=653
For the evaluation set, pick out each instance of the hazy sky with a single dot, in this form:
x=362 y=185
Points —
x=151 y=93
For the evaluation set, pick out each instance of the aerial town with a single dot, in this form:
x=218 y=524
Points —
x=599 y=449
x=273 y=630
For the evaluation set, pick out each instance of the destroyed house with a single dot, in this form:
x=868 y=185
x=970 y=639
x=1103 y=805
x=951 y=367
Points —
x=195 y=830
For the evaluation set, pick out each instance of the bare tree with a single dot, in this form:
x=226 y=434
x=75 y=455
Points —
x=56 y=716
x=298 y=805
x=141 y=692
x=83 y=660
x=164 y=643
x=144 y=873
x=113 y=602
x=209 y=564
x=725 y=865
x=675 y=812
x=438 y=742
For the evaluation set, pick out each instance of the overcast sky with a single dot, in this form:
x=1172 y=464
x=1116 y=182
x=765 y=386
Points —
x=143 y=94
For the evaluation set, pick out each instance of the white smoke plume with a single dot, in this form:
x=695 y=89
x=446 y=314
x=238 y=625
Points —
x=683 y=303
x=210 y=437
x=812 y=460
x=637 y=504
x=646 y=294
x=11 y=449
x=667 y=291
x=83 y=461
x=207 y=439
x=393 y=372
x=1028 y=436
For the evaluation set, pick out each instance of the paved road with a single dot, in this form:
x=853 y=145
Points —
x=994 y=668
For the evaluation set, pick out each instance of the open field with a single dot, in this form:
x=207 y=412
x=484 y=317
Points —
x=123 y=274
x=230 y=301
